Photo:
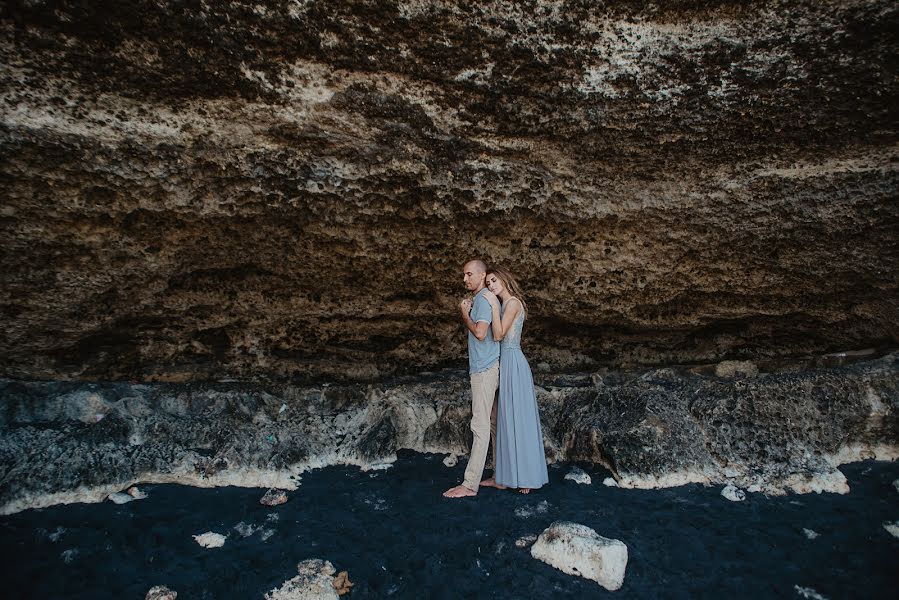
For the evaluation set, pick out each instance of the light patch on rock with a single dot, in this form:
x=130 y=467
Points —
x=893 y=528
x=578 y=476
x=896 y=485
x=810 y=533
x=55 y=535
x=121 y=498
x=265 y=534
x=210 y=539
x=245 y=530
x=525 y=541
x=526 y=512
x=450 y=461
x=809 y=593
x=578 y=550
x=136 y=493
x=736 y=368
x=161 y=592
x=314 y=582
x=610 y=482
x=733 y=493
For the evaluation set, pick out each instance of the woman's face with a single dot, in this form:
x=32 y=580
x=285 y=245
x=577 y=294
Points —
x=494 y=284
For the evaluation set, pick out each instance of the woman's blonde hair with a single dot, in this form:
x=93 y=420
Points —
x=509 y=283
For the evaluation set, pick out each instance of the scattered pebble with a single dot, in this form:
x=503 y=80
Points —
x=342 y=583
x=274 y=497
x=451 y=461
x=525 y=541
x=808 y=593
x=810 y=534
x=610 y=482
x=578 y=476
x=272 y=517
x=733 y=493
x=55 y=535
x=245 y=530
x=266 y=533
x=120 y=497
x=529 y=511
x=210 y=540
x=893 y=528
x=160 y=592
x=136 y=493
x=69 y=555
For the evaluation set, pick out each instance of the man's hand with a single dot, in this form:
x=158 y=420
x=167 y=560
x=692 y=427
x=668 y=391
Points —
x=465 y=306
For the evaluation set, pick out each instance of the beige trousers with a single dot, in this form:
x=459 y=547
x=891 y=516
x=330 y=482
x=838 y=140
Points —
x=483 y=423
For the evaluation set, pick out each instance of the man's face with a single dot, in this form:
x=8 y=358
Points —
x=472 y=277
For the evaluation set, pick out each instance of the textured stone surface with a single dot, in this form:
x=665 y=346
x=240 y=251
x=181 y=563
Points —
x=578 y=550
x=663 y=427
x=196 y=190
x=314 y=582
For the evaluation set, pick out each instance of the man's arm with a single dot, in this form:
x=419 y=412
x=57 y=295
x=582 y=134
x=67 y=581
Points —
x=479 y=329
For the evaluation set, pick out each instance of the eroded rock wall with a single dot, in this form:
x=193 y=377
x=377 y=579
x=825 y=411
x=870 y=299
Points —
x=66 y=442
x=289 y=189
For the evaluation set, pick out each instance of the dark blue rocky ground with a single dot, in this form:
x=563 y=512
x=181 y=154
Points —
x=398 y=537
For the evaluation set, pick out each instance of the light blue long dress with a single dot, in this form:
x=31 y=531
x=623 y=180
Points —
x=520 y=461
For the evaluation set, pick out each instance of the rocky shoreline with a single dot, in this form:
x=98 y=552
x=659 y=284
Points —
x=64 y=442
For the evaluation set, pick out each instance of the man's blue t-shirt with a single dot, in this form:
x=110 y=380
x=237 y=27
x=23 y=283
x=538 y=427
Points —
x=482 y=354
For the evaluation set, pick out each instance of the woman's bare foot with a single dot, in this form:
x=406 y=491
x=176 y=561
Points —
x=524 y=490
x=460 y=491
x=491 y=482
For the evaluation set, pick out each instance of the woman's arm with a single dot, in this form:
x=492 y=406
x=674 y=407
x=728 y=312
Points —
x=502 y=325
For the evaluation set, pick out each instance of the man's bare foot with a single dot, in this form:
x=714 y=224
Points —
x=460 y=491
x=492 y=483
x=524 y=490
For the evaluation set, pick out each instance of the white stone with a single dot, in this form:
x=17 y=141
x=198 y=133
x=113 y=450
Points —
x=136 y=493
x=578 y=476
x=210 y=540
x=610 y=482
x=160 y=592
x=121 y=497
x=733 y=493
x=578 y=550
x=314 y=582
x=810 y=533
x=808 y=593
x=450 y=461
x=525 y=541
x=893 y=528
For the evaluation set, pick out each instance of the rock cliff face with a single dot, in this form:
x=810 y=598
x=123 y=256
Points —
x=197 y=190
x=73 y=441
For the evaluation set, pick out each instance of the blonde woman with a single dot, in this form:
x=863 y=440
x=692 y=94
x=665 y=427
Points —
x=520 y=461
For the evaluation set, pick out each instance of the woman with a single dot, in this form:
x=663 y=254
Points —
x=520 y=461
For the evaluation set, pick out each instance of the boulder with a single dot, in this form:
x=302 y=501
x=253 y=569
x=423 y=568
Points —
x=274 y=497
x=578 y=550
x=610 y=482
x=578 y=476
x=733 y=493
x=160 y=592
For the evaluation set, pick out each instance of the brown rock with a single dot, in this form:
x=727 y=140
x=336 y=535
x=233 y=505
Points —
x=342 y=583
x=273 y=497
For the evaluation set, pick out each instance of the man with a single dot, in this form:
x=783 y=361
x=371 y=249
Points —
x=483 y=368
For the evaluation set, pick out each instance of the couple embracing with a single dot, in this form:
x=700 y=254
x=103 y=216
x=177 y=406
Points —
x=494 y=320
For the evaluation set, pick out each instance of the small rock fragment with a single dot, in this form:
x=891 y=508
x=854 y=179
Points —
x=578 y=476
x=578 y=550
x=282 y=409
x=136 y=493
x=160 y=592
x=525 y=541
x=450 y=461
x=610 y=482
x=210 y=540
x=274 y=497
x=315 y=581
x=808 y=593
x=69 y=555
x=893 y=528
x=733 y=493
x=896 y=485
x=342 y=583
x=810 y=533
x=120 y=497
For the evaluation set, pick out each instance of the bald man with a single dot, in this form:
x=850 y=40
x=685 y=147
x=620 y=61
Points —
x=483 y=369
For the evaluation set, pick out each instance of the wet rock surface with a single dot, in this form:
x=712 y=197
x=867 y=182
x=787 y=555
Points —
x=201 y=190
x=657 y=428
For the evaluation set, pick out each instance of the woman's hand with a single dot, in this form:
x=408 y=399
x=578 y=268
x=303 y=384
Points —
x=491 y=298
